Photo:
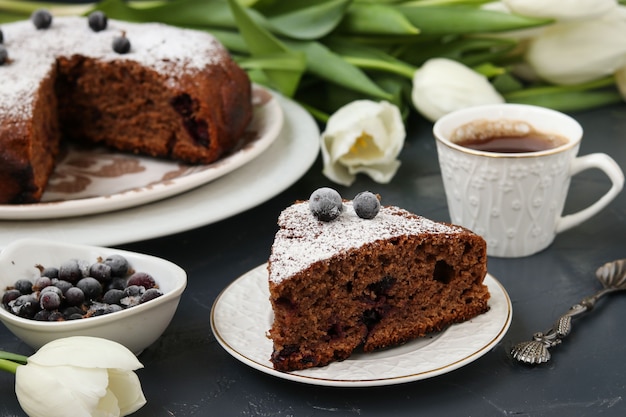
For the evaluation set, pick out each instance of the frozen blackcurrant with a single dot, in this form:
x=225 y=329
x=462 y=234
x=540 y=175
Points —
x=51 y=288
x=50 y=272
x=91 y=288
x=100 y=271
x=41 y=18
x=141 y=279
x=62 y=285
x=74 y=296
x=55 y=316
x=41 y=283
x=9 y=296
x=42 y=315
x=150 y=294
x=97 y=21
x=25 y=306
x=4 y=55
x=366 y=205
x=70 y=271
x=49 y=300
x=325 y=204
x=117 y=283
x=121 y=44
x=24 y=286
x=113 y=296
x=118 y=264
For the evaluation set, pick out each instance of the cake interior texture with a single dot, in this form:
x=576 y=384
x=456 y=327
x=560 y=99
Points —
x=375 y=295
x=176 y=95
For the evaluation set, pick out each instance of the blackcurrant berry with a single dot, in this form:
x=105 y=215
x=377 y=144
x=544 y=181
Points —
x=97 y=21
x=121 y=44
x=24 y=286
x=91 y=288
x=118 y=264
x=325 y=204
x=100 y=271
x=42 y=19
x=366 y=205
x=141 y=279
x=70 y=271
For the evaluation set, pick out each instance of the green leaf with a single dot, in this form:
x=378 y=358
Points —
x=465 y=20
x=568 y=101
x=185 y=13
x=329 y=66
x=506 y=83
x=469 y=50
x=305 y=19
x=376 y=19
x=367 y=57
x=262 y=43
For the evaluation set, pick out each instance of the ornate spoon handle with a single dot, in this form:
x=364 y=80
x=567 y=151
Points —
x=536 y=350
x=612 y=275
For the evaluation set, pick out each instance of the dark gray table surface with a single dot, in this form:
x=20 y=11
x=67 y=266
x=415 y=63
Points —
x=187 y=373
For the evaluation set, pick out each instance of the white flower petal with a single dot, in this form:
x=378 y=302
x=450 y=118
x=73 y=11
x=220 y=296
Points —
x=561 y=9
x=443 y=85
x=107 y=407
x=360 y=137
x=59 y=391
x=381 y=173
x=127 y=390
x=576 y=52
x=88 y=352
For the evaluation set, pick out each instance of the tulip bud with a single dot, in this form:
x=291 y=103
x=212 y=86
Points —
x=580 y=51
x=79 y=376
x=363 y=137
x=561 y=9
x=442 y=85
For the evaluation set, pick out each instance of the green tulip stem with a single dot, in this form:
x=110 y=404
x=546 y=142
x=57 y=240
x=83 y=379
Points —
x=9 y=366
x=375 y=64
x=590 y=85
x=13 y=357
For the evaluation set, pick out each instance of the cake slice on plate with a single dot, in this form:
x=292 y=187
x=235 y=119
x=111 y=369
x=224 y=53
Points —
x=341 y=281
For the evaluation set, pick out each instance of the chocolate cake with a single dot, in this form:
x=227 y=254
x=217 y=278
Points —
x=354 y=283
x=175 y=94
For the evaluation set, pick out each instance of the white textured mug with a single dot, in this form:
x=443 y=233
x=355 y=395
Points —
x=515 y=200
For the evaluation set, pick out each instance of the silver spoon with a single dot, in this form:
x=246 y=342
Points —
x=612 y=275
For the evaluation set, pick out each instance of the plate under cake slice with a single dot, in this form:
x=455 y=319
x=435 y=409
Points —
x=355 y=283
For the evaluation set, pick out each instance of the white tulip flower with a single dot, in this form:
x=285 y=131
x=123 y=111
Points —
x=577 y=52
x=80 y=377
x=443 y=85
x=561 y=9
x=363 y=136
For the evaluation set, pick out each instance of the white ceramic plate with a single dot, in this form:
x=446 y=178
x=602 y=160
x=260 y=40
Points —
x=99 y=180
x=283 y=163
x=242 y=315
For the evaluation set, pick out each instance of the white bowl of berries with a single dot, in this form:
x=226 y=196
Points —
x=52 y=290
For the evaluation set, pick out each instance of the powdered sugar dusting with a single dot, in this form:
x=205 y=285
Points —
x=303 y=240
x=33 y=53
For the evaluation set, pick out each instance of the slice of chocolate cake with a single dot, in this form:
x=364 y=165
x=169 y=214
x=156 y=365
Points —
x=352 y=282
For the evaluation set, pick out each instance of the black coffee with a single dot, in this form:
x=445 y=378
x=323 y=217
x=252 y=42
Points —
x=505 y=136
x=534 y=142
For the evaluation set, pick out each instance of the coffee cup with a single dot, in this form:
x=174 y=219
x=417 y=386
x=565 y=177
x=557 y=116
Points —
x=506 y=171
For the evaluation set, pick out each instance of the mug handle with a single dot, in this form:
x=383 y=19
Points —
x=607 y=165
